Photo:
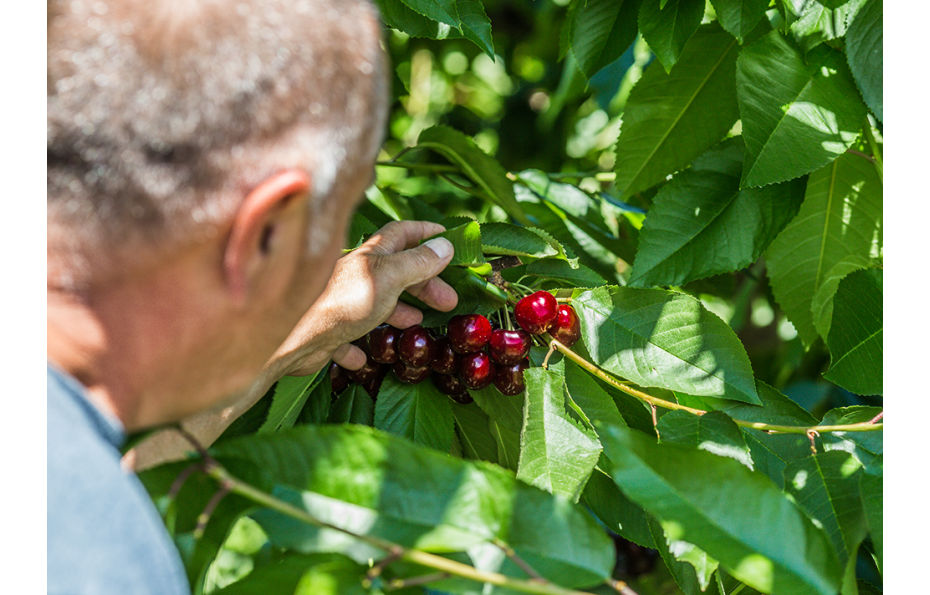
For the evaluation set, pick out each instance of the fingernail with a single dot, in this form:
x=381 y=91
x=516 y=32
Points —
x=441 y=247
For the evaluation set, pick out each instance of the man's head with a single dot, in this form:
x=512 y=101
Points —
x=203 y=161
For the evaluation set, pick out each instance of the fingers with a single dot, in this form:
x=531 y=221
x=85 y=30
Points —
x=404 y=316
x=436 y=294
x=400 y=235
x=417 y=265
x=349 y=357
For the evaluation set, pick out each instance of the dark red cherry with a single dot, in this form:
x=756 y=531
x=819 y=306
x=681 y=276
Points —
x=382 y=344
x=509 y=379
x=476 y=370
x=415 y=347
x=462 y=398
x=535 y=312
x=370 y=376
x=469 y=333
x=444 y=359
x=450 y=385
x=409 y=374
x=338 y=378
x=508 y=347
x=566 y=328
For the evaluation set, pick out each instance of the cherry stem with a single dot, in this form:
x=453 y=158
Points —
x=524 y=566
x=620 y=385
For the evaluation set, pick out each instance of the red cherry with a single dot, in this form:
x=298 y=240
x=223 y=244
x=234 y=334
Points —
x=508 y=347
x=444 y=359
x=415 y=347
x=566 y=328
x=469 y=333
x=409 y=374
x=338 y=378
x=382 y=344
x=509 y=379
x=536 y=312
x=369 y=376
x=476 y=370
x=450 y=385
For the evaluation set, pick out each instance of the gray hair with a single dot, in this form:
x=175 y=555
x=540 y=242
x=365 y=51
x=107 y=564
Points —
x=161 y=114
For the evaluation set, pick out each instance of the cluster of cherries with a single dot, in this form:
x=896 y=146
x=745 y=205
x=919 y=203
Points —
x=470 y=356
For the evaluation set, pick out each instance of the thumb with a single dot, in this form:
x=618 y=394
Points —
x=419 y=264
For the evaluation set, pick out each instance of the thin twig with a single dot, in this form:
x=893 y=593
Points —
x=182 y=477
x=204 y=517
x=524 y=566
x=620 y=587
x=376 y=570
x=397 y=584
x=877 y=417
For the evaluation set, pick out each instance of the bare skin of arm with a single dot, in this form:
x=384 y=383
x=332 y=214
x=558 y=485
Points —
x=362 y=292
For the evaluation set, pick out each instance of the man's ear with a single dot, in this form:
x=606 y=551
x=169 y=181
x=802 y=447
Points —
x=261 y=224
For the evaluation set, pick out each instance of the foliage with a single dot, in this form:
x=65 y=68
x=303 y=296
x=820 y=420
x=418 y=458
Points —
x=714 y=216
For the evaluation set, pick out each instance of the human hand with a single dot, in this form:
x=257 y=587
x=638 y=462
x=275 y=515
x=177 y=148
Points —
x=363 y=292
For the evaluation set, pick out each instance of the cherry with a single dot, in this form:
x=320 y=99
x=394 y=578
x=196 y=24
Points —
x=382 y=344
x=469 y=333
x=566 y=328
x=409 y=374
x=416 y=347
x=452 y=386
x=444 y=359
x=338 y=378
x=509 y=379
x=508 y=347
x=462 y=398
x=369 y=376
x=536 y=312
x=476 y=370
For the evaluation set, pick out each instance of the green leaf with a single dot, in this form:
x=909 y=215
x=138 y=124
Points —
x=602 y=496
x=691 y=567
x=667 y=27
x=586 y=394
x=841 y=217
x=597 y=32
x=659 y=338
x=714 y=432
x=556 y=454
x=482 y=169
x=855 y=339
x=870 y=490
x=470 y=22
x=474 y=432
x=818 y=23
x=505 y=423
x=442 y=11
x=559 y=270
x=701 y=224
x=290 y=395
x=515 y=240
x=864 y=53
x=475 y=25
x=716 y=504
x=826 y=487
x=384 y=486
x=670 y=119
x=796 y=116
x=739 y=17
x=415 y=411
x=294 y=573
x=466 y=239
x=867 y=447
x=353 y=406
x=822 y=303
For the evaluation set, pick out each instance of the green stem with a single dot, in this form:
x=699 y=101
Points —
x=876 y=150
x=869 y=426
x=431 y=167
x=426 y=559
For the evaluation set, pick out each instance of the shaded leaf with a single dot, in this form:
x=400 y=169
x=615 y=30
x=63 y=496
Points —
x=482 y=169
x=289 y=396
x=585 y=393
x=797 y=116
x=667 y=26
x=716 y=503
x=855 y=339
x=556 y=454
x=701 y=223
x=739 y=17
x=867 y=447
x=840 y=218
x=864 y=54
x=475 y=25
x=822 y=303
x=870 y=490
x=474 y=432
x=353 y=406
x=714 y=432
x=415 y=411
x=505 y=416
x=323 y=574
x=826 y=486
x=597 y=32
x=663 y=339
x=670 y=119
x=622 y=516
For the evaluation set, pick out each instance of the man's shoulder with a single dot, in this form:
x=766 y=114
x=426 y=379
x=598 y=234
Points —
x=104 y=535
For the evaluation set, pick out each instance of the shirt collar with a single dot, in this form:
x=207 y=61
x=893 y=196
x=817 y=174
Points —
x=105 y=424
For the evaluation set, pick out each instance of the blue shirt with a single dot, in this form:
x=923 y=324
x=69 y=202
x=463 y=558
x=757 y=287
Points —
x=104 y=534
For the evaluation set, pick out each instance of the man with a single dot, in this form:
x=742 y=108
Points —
x=204 y=160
